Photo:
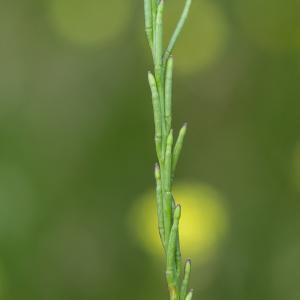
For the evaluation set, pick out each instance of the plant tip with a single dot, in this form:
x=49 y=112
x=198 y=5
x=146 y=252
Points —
x=188 y=266
x=177 y=212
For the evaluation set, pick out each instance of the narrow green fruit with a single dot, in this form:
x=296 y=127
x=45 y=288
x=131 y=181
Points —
x=190 y=295
x=178 y=29
x=168 y=94
x=171 y=260
x=178 y=147
x=159 y=203
x=158 y=50
x=148 y=22
x=157 y=113
x=186 y=279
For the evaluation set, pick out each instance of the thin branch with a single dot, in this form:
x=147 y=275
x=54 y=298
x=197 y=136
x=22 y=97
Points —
x=178 y=29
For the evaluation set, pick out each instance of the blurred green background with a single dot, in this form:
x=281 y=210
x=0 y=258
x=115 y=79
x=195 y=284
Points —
x=77 y=153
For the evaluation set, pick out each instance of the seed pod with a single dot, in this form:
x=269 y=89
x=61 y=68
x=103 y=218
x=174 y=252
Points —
x=186 y=279
x=178 y=147
x=157 y=113
x=148 y=21
x=168 y=94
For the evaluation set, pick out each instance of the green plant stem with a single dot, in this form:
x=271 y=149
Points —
x=161 y=82
x=148 y=22
x=171 y=265
x=186 y=279
x=168 y=94
x=178 y=147
x=178 y=30
x=189 y=295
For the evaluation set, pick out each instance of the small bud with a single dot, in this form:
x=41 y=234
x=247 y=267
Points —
x=183 y=129
x=177 y=212
x=188 y=266
x=190 y=295
x=170 y=138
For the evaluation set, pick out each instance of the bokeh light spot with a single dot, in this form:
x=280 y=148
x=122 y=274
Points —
x=90 y=22
x=204 y=37
x=203 y=224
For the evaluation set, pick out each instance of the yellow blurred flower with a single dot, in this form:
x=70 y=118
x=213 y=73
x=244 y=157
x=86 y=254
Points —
x=203 y=223
x=90 y=22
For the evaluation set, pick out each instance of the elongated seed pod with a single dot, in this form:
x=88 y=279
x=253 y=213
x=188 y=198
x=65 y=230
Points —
x=186 y=279
x=178 y=147
x=178 y=257
x=168 y=94
x=159 y=204
x=148 y=22
x=157 y=114
x=154 y=11
x=158 y=50
x=167 y=216
x=168 y=162
x=167 y=187
x=189 y=295
x=178 y=29
x=172 y=247
x=158 y=53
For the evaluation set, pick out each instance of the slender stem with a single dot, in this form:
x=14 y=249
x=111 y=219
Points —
x=168 y=94
x=178 y=258
x=154 y=11
x=189 y=295
x=168 y=213
x=159 y=203
x=178 y=146
x=158 y=50
x=178 y=29
x=158 y=53
x=167 y=187
x=171 y=260
x=157 y=114
x=148 y=22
